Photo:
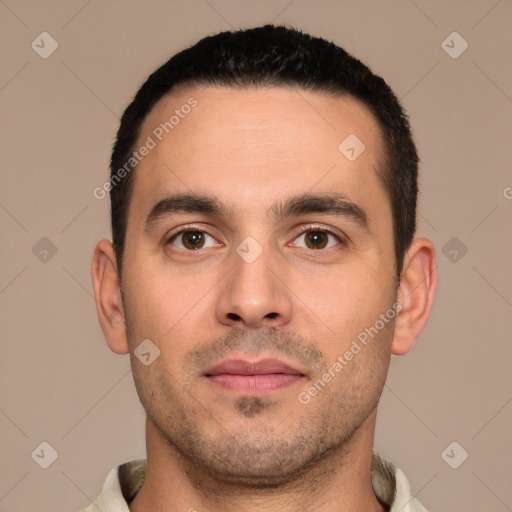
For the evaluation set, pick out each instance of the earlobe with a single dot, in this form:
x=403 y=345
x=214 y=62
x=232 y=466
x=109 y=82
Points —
x=107 y=293
x=418 y=284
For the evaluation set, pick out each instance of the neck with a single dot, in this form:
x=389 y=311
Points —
x=339 y=482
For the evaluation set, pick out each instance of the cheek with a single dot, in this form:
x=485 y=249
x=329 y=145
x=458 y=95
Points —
x=174 y=311
x=350 y=305
x=146 y=300
x=358 y=293
x=157 y=296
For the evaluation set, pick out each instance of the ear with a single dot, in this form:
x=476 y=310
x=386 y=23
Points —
x=107 y=292
x=418 y=284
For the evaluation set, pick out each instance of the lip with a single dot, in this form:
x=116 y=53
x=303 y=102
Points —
x=260 y=377
x=243 y=367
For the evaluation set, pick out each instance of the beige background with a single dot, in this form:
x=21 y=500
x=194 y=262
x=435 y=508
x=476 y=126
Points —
x=59 y=381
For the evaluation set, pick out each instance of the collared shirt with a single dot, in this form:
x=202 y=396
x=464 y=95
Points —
x=122 y=484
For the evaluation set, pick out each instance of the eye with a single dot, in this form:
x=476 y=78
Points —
x=317 y=238
x=192 y=239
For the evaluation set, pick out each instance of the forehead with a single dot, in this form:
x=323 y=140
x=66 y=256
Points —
x=252 y=146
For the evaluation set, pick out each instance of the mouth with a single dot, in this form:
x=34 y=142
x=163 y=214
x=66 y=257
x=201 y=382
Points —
x=254 y=378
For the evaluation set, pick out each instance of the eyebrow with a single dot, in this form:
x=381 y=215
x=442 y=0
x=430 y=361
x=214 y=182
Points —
x=325 y=203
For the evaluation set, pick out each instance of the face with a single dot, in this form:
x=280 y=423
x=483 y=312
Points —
x=259 y=261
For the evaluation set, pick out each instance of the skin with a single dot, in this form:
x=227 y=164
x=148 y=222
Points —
x=214 y=449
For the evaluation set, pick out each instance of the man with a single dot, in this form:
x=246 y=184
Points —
x=263 y=270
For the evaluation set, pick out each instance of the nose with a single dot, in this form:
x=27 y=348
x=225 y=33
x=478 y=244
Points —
x=254 y=294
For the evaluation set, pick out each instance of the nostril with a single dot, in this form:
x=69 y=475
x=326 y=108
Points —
x=271 y=315
x=233 y=316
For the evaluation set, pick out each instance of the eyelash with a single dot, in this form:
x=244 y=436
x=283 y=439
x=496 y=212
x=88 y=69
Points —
x=313 y=227
x=303 y=230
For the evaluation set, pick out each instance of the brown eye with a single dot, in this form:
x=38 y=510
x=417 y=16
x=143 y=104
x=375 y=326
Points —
x=191 y=240
x=317 y=239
